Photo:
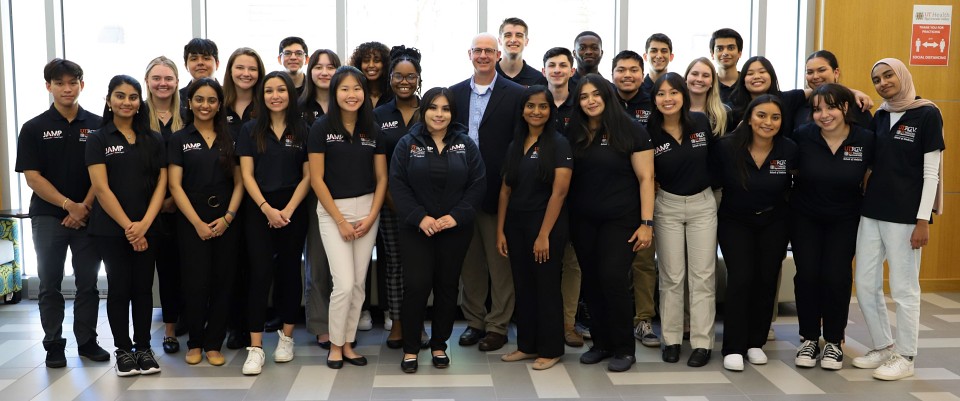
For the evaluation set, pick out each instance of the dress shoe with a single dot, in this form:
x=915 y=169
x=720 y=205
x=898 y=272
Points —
x=471 y=336
x=699 y=357
x=492 y=342
x=441 y=361
x=544 y=364
x=671 y=353
x=215 y=358
x=395 y=344
x=621 y=363
x=193 y=356
x=517 y=356
x=409 y=365
x=594 y=355
x=238 y=339
x=358 y=361
x=171 y=345
x=571 y=337
x=93 y=351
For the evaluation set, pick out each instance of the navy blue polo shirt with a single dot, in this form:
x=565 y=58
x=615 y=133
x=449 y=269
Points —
x=896 y=184
x=348 y=167
x=682 y=168
x=280 y=166
x=54 y=147
x=311 y=111
x=528 y=76
x=127 y=176
x=530 y=193
x=765 y=188
x=829 y=184
x=203 y=172
x=390 y=120
x=235 y=121
x=604 y=184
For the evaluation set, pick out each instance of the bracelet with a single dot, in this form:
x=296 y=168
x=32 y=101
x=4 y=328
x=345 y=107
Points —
x=225 y=221
x=261 y=204
x=64 y=204
x=341 y=222
x=232 y=214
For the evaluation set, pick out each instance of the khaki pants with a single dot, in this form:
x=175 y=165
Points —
x=483 y=261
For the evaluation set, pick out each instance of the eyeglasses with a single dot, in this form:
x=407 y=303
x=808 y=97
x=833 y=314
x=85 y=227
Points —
x=298 y=53
x=398 y=77
x=488 y=51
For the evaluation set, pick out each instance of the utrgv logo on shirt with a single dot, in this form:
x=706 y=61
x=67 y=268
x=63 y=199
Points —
x=905 y=133
x=778 y=167
x=458 y=148
x=390 y=125
x=853 y=153
x=368 y=142
x=58 y=134
x=191 y=146
x=641 y=115
x=604 y=141
x=288 y=142
x=113 y=150
x=698 y=139
x=416 y=151
x=84 y=133
x=536 y=153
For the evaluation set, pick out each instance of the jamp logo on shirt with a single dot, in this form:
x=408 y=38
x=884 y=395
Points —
x=417 y=151
x=188 y=147
x=853 y=153
x=58 y=134
x=905 y=133
x=778 y=167
x=458 y=148
x=229 y=119
x=113 y=150
x=659 y=150
x=334 y=138
x=698 y=139
x=390 y=125
x=84 y=133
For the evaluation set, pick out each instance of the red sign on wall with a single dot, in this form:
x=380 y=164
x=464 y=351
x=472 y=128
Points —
x=930 y=43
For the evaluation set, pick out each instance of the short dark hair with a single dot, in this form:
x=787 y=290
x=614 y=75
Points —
x=626 y=55
x=836 y=96
x=726 y=33
x=659 y=37
x=514 y=21
x=59 y=67
x=587 y=33
x=826 y=55
x=201 y=46
x=293 y=40
x=557 y=51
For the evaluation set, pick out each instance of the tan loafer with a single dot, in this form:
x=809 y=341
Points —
x=193 y=357
x=572 y=338
x=517 y=356
x=543 y=363
x=215 y=358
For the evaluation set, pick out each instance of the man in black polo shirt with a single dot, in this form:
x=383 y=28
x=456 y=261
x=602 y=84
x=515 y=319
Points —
x=588 y=50
x=726 y=47
x=627 y=77
x=658 y=53
x=293 y=56
x=50 y=153
x=557 y=70
x=513 y=39
x=202 y=58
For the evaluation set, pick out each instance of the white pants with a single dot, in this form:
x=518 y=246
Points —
x=349 y=261
x=878 y=240
x=687 y=253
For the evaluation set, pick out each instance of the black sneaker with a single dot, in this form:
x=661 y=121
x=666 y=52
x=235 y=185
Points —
x=807 y=354
x=148 y=364
x=126 y=363
x=92 y=351
x=56 y=358
x=832 y=357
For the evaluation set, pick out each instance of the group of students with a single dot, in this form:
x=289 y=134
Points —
x=489 y=178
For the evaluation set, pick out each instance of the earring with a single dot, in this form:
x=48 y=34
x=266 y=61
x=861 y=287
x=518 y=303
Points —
x=110 y=109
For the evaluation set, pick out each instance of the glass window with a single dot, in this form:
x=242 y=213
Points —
x=557 y=24
x=783 y=43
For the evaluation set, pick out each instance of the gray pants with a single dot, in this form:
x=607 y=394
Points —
x=50 y=242
x=317 y=283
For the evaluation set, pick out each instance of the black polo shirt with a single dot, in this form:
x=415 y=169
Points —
x=530 y=193
x=128 y=179
x=347 y=161
x=528 y=76
x=604 y=184
x=804 y=115
x=562 y=118
x=202 y=171
x=828 y=184
x=682 y=168
x=725 y=93
x=392 y=125
x=766 y=187
x=311 y=111
x=639 y=106
x=54 y=147
x=896 y=184
x=280 y=166
x=235 y=121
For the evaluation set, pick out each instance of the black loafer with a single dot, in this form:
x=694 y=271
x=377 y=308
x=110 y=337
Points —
x=594 y=355
x=334 y=364
x=471 y=336
x=441 y=361
x=621 y=363
x=394 y=344
x=171 y=345
x=671 y=353
x=409 y=365
x=699 y=357
x=358 y=361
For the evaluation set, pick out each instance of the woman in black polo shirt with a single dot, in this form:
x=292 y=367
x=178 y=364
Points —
x=394 y=119
x=315 y=99
x=205 y=182
x=834 y=155
x=531 y=217
x=129 y=177
x=347 y=143
x=437 y=180
x=902 y=193
x=611 y=214
x=822 y=68
x=686 y=214
x=244 y=72
x=757 y=77
x=753 y=165
x=273 y=164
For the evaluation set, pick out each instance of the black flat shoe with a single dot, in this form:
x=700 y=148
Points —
x=441 y=361
x=671 y=353
x=699 y=357
x=171 y=345
x=394 y=344
x=334 y=364
x=324 y=344
x=358 y=361
x=409 y=365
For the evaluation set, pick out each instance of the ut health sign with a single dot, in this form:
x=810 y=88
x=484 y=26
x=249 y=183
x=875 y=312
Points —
x=930 y=44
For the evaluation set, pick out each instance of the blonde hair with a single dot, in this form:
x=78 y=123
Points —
x=714 y=108
x=176 y=120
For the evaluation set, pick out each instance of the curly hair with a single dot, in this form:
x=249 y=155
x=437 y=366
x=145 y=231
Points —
x=378 y=50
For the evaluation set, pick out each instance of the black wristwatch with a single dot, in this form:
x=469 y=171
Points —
x=647 y=222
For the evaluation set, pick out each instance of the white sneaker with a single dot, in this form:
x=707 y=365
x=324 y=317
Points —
x=366 y=321
x=756 y=356
x=832 y=357
x=873 y=359
x=895 y=368
x=807 y=354
x=284 y=352
x=254 y=363
x=733 y=362
x=387 y=321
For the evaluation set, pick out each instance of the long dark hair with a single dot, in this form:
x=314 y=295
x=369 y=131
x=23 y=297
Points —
x=223 y=140
x=262 y=127
x=383 y=52
x=309 y=87
x=366 y=124
x=741 y=97
x=615 y=122
x=743 y=135
x=546 y=162
x=230 y=87
x=677 y=82
x=149 y=161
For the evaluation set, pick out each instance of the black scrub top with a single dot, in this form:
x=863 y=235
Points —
x=127 y=176
x=280 y=166
x=391 y=123
x=604 y=184
x=766 y=187
x=348 y=167
x=828 y=185
x=683 y=168
x=55 y=148
x=530 y=193
x=203 y=172
x=311 y=111
x=896 y=184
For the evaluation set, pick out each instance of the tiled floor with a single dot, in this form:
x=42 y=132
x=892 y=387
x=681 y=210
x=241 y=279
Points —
x=474 y=375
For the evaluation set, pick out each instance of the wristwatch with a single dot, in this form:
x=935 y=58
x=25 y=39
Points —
x=647 y=222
